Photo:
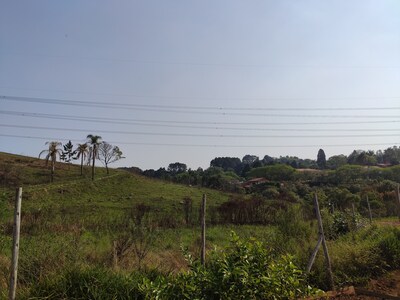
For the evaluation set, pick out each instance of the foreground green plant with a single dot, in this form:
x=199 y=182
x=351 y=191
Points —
x=90 y=284
x=246 y=270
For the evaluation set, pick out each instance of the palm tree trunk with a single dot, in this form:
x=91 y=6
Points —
x=52 y=171
x=94 y=158
x=81 y=164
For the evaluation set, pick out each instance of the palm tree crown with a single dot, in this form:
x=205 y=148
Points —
x=82 y=152
x=52 y=154
x=94 y=141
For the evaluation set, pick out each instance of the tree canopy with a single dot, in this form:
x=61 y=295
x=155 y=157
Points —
x=109 y=154
x=321 y=159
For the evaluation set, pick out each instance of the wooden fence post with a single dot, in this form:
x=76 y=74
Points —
x=115 y=255
x=398 y=197
x=203 y=230
x=369 y=211
x=314 y=254
x=15 y=249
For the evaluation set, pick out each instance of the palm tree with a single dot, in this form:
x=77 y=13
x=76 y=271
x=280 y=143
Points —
x=82 y=152
x=52 y=154
x=94 y=141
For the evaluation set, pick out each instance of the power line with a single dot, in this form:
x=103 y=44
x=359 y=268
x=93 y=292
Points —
x=156 y=123
x=196 y=134
x=207 y=98
x=201 y=64
x=159 y=108
x=207 y=122
x=205 y=145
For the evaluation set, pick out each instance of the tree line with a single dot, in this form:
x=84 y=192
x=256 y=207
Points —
x=226 y=173
x=94 y=148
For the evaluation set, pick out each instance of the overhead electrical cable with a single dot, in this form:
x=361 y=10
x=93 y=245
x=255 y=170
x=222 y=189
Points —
x=190 y=107
x=156 y=123
x=248 y=98
x=196 y=134
x=156 y=109
x=203 y=145
x=201 y=64
x=202 y=122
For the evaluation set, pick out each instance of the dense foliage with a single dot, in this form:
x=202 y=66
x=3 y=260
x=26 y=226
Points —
x=245 y=270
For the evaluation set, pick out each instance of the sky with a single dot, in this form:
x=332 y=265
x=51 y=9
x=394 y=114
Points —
x=188 y=81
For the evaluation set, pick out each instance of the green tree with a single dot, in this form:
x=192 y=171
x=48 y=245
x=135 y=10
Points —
x=276 y=172
x=177 y=168
x=249 y=159
x=321 y=159
x=109 y=154
x=355 y=157
x=52 y=153
x=68 y=153
x=392 y=155
x=94 y=141
x=336 y=161
x=82 y=152
x=227 y=164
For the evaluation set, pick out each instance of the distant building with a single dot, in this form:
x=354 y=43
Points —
x=252 y=182
x=384 y=165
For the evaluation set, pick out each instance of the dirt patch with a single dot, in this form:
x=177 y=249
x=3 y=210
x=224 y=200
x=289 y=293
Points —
x=388 y=285
x=389 y=223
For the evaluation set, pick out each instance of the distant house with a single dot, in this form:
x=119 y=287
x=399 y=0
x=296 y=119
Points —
x=252 y=182
x=384 y=165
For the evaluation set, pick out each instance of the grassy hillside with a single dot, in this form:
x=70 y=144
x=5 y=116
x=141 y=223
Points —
x=80 y=217
x=76 y=230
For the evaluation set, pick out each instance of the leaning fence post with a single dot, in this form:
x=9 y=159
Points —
x=203 y=230
x=15 y=249
x=324 y=246
x=314 y=255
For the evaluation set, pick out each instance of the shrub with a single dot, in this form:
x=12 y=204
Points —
x=246 y=270
x=389 y=247
x=277 y=172
x=244 y=211
x=89 y=284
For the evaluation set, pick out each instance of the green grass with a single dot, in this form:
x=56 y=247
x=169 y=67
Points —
x=69 y=228
x=74 y=220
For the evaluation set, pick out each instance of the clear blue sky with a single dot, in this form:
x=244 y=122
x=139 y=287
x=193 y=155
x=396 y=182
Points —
x=229 y=62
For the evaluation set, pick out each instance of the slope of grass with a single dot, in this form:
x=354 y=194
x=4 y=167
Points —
x=77 y=228
x=75 y=220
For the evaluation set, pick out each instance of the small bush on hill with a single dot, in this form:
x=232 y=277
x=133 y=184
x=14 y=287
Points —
x=277 y=172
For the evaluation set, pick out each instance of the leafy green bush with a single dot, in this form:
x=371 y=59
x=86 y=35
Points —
x=359 y=256
x=341 y=222
x=389 y=246
x=277 y=172
x=246 y=270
